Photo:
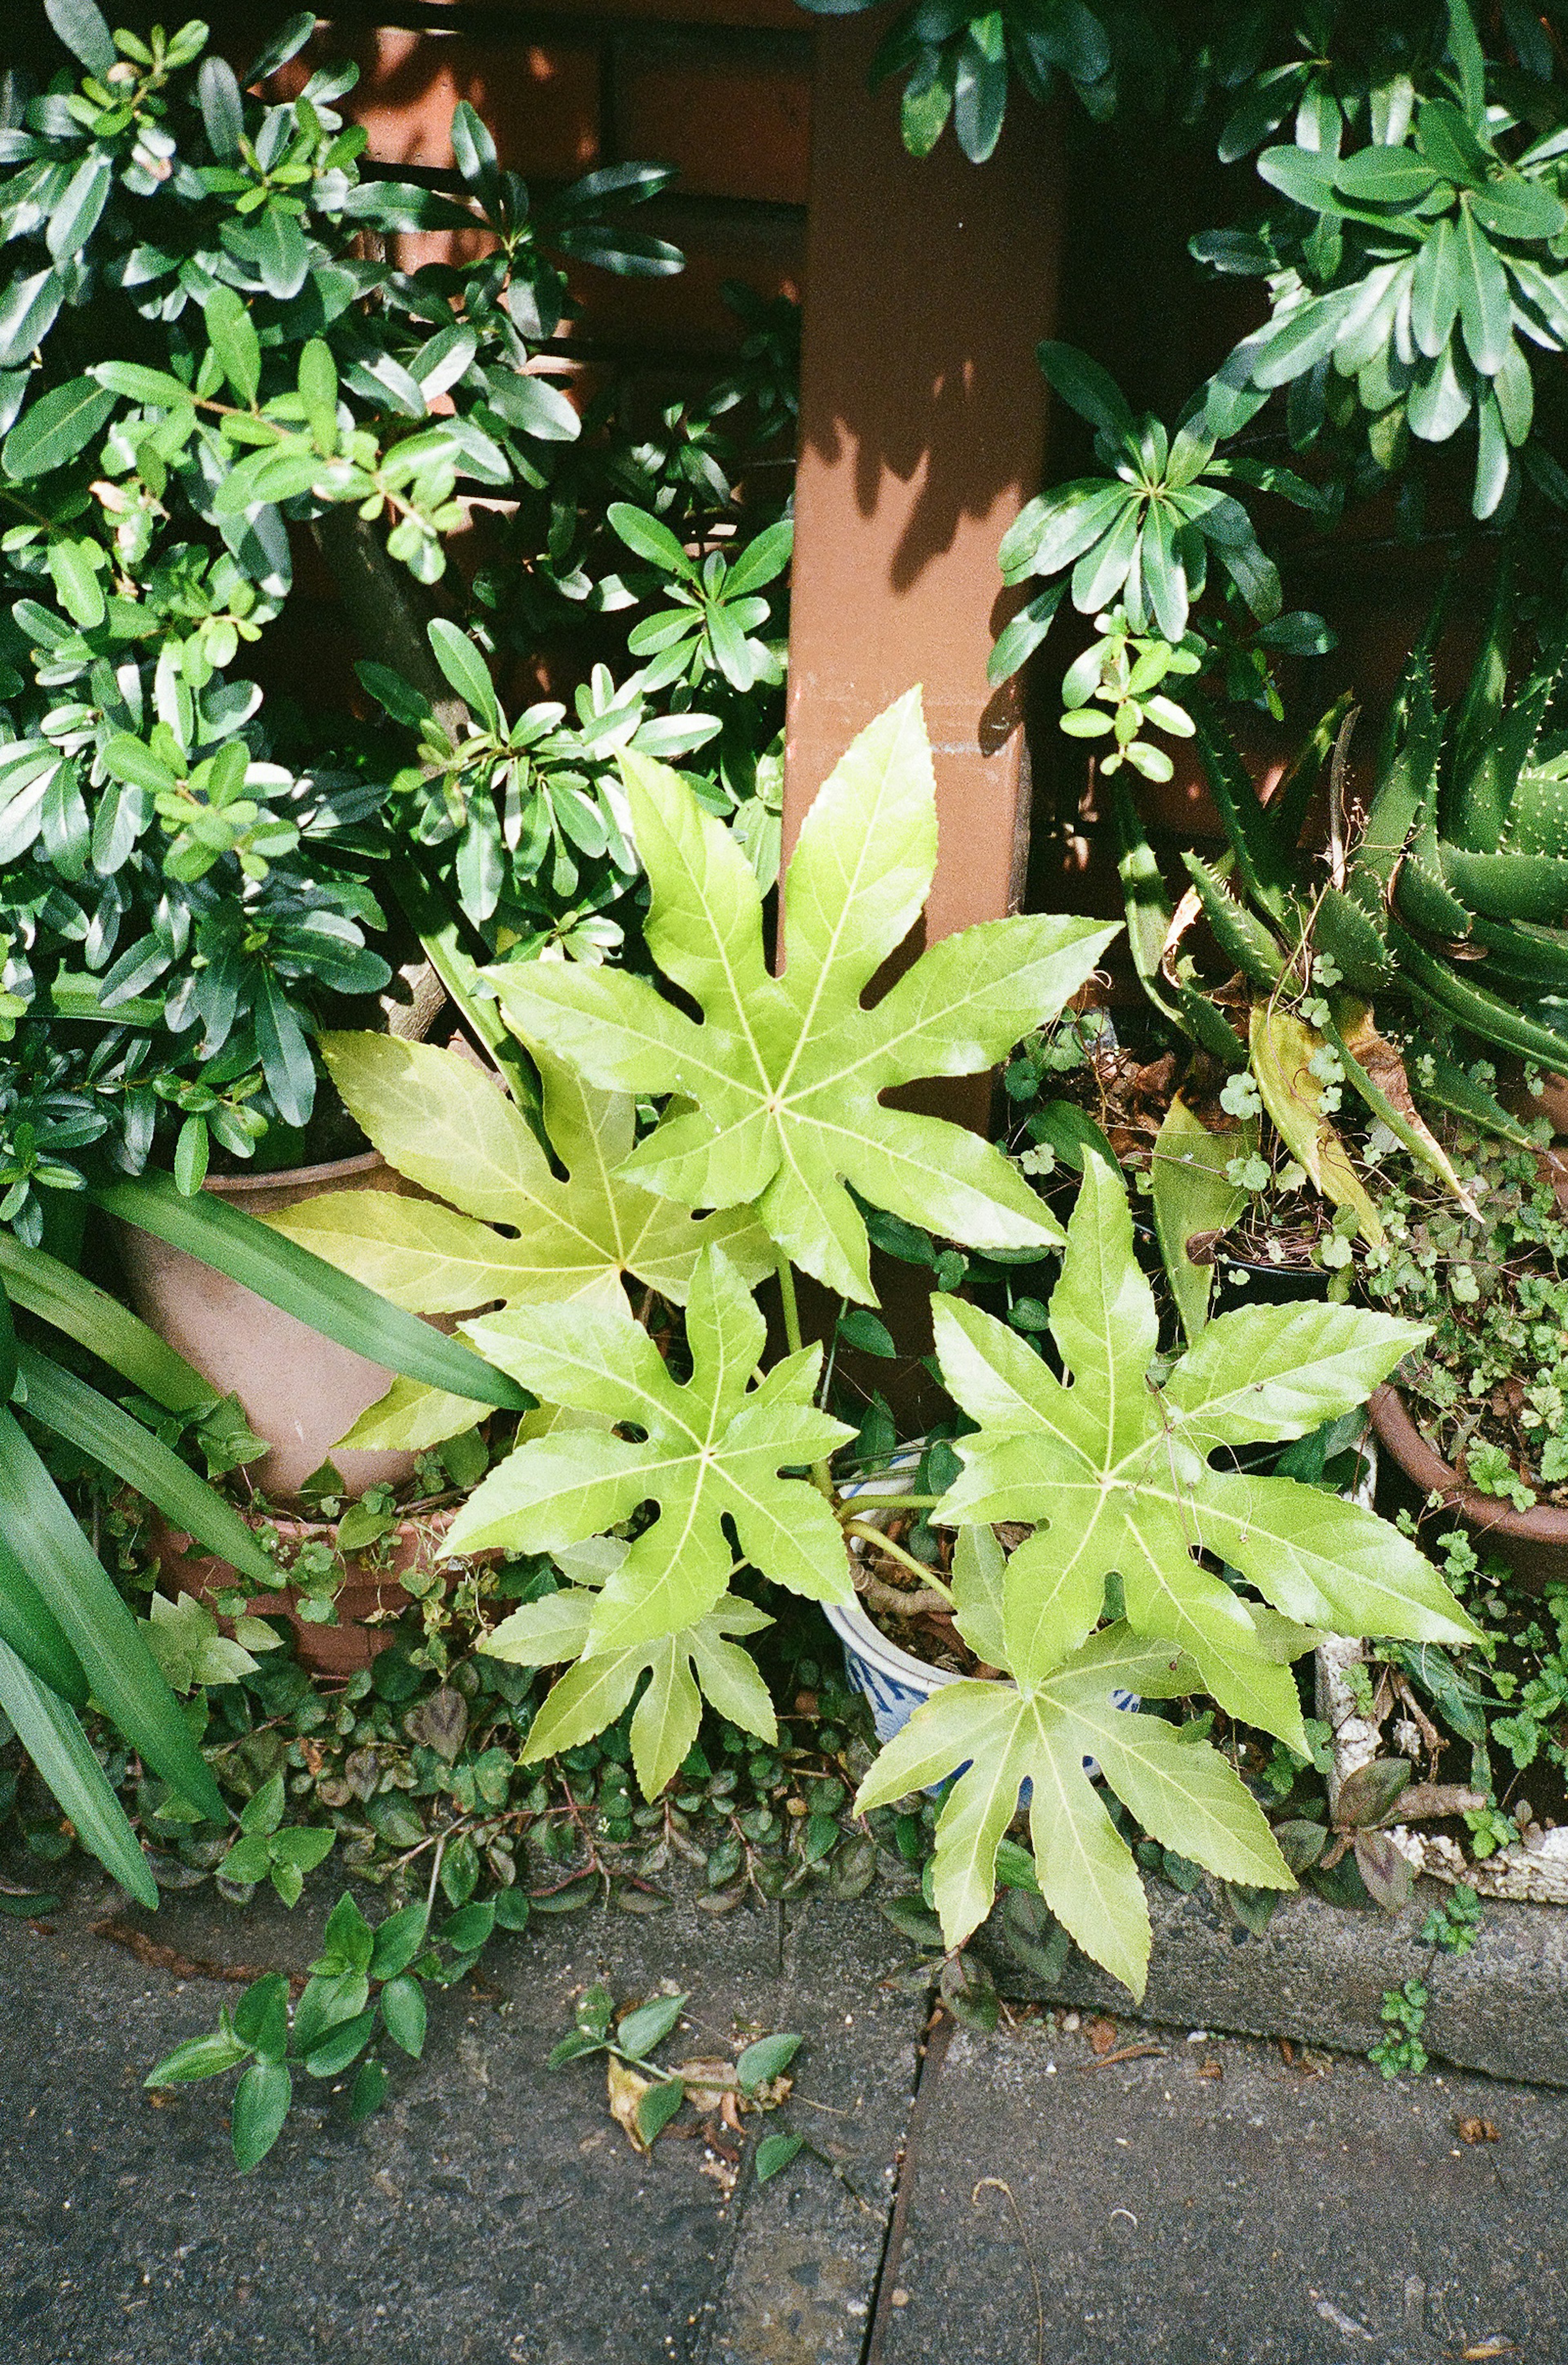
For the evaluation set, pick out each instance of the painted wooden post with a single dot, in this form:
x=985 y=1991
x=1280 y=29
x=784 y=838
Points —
x=928 y=283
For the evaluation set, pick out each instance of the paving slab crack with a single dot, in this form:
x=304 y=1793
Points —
x=933 y=2053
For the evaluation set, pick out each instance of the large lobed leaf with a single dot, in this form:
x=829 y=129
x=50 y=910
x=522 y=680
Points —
x=1114 y=1474
x=711 y=1448
x=1003 y=1735
x=683 y=1669
x=440 y=1120
x=785 y=1075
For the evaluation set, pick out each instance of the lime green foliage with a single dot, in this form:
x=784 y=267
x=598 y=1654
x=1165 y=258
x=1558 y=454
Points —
x=443 y=1123
x=712 y=1450
x=698 y=1663
x=1118 y=1476
x=1040 y=1732
x=1114 y=1477
x=785 y=1075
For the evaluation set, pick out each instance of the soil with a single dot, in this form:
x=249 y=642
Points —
x=929 y=1635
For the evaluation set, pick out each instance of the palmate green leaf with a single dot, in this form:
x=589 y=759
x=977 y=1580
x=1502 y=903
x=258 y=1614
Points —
x=786 y=1074
x=701 y=1662
x=1116 y=1476
x=711 y=1448
x=1183 y=1793
x=440 y=1120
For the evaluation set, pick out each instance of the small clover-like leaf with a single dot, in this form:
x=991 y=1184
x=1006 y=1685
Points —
x=784 y=1075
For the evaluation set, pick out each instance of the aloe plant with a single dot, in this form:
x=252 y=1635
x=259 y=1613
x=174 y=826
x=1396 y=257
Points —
x=1440 y=918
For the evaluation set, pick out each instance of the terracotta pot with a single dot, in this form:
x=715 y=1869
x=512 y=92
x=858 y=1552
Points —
x=1534 y=1544
x=298 y=1390
x=372 y=1581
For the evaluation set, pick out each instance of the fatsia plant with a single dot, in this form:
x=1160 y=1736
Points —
x=700 y=1662
x=779 y=1087
x=440 y=1120
x=1116 y=1478
x=710 y=1451
x=1115 y=1474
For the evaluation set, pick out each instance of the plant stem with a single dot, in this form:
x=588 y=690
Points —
x=855 y=1506
x=820 y=1471
x=896 y=1552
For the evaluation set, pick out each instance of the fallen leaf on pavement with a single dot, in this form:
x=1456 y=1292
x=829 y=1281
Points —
x=1476 y=2131
x=1102 y=2034
x=626 y=2090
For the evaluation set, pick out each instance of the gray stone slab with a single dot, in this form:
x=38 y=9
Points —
x=1319 y=1973
x=490 y=2213
x=809 y=2246
x=1263 y=2216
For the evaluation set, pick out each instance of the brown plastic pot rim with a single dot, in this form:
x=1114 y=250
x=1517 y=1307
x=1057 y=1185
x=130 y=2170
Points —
x=287 y=1178
x=1546 y=1524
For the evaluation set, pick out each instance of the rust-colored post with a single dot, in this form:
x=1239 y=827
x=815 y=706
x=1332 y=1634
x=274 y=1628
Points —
x=928 y=283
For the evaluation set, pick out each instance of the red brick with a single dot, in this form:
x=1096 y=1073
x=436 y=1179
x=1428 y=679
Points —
x=687 y=311
x=541 y=101
x=734 y=129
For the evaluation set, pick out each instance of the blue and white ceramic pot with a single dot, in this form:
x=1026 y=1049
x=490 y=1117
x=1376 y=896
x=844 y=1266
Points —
x=894 y=1682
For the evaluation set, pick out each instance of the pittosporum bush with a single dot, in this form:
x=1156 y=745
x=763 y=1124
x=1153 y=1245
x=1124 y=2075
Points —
x=208 y=353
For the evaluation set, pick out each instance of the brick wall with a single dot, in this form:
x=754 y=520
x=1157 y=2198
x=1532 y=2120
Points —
x=719 y=88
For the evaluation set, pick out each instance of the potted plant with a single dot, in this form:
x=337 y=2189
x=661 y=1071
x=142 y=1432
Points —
x=772 y=1106
x=1474 y=1415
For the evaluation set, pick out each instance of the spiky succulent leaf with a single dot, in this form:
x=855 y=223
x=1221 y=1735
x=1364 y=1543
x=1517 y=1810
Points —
x=711 y=1447
x=1113 y=1475
x=1183 y=1793
x=785 y=1075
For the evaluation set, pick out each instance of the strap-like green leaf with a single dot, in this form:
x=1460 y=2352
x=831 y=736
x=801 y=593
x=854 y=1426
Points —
x=34 y=1633
x=37 y=1528
x=65 y=1759
x=111 y=1437
x=302 y=1285
x=99 y=1322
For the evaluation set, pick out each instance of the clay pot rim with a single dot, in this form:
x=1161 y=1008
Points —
x=1547 y=1523
x=287 y=1178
